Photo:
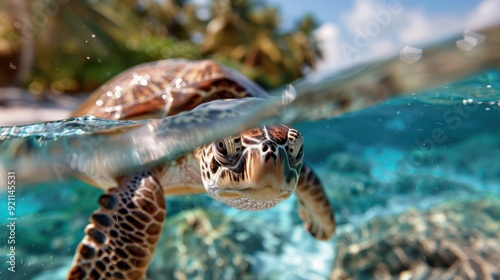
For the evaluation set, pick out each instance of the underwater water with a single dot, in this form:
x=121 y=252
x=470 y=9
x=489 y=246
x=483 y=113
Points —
x=414 y=183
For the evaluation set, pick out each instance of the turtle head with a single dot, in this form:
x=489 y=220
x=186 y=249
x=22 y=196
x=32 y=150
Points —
x=254 y=170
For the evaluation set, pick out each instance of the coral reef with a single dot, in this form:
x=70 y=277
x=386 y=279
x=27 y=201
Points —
x=457 y=239
x=197 y=244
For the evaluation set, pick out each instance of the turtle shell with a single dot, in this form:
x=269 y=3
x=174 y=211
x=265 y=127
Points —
x=165 y=88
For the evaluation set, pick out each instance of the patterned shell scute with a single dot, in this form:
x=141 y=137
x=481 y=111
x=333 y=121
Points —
x=165 y=88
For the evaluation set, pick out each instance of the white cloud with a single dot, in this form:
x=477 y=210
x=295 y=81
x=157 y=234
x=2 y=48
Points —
x=419 y=28
x=328 y=35
x=360 y=14
x=485 y=14
x=358 y=32
x=369 y=30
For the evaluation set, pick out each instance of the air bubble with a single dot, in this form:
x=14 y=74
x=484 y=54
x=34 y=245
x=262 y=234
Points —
x=470 y=40
x=410 y=55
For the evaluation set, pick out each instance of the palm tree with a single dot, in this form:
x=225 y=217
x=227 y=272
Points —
x=63 y=46
x=76 y=45
x=248 y=33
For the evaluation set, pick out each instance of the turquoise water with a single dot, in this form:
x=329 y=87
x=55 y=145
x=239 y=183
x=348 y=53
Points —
x=414 y=183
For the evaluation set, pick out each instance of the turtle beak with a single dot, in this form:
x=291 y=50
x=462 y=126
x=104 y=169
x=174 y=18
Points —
x=268 y=174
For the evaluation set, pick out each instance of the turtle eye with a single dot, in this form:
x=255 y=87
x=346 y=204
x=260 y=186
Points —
x=227 y=150
x=294 y=147
x=221 y=147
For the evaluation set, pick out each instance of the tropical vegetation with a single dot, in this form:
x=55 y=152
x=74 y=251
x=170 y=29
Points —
x=69 y=46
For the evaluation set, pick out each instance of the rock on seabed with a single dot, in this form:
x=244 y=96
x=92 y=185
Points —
x=457 y=239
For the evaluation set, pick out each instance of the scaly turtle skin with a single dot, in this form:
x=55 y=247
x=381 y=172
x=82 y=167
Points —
x=254 y=170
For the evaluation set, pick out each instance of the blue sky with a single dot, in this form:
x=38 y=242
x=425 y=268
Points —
x=351 y=31
x=326 y=10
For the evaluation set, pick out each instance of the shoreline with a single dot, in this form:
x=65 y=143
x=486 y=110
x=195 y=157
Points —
x=19 y=107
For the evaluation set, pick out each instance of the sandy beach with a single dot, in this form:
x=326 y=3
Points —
x=18 y=107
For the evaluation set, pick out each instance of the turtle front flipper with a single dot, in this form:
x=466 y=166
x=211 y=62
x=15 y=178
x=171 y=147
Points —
x=314 y=208
x=120 y=240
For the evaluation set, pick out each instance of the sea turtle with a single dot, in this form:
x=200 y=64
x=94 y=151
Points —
x=254 y=170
